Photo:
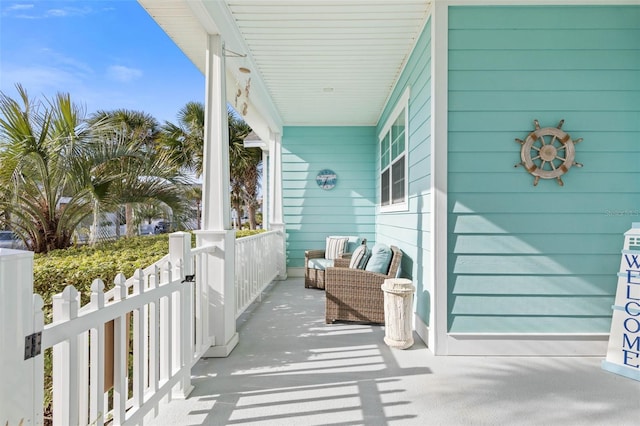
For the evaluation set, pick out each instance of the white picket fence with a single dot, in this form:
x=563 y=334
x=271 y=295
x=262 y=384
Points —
x=159 y=319
x=159 y=332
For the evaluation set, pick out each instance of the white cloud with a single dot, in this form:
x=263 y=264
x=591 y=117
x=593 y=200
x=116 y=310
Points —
x=29 y=11
x=57 y=12
x=68 y=11
x=19 y=7
x=123 y=74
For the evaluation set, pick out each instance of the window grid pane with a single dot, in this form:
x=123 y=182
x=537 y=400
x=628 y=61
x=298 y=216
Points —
x=384 y=188
x=397 y=187
x=385 y=159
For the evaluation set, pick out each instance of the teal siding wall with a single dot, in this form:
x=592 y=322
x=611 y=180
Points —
x=310 y=213
x=540 y=259
x=409 y=230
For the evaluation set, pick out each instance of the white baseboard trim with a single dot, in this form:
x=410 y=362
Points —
x=512 y=344
x=422 y=330
x=222 y=351
x=295 y=272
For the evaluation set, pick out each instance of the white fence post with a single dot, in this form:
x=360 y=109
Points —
x=17 y=405
x=180 y=257
x=180 y=250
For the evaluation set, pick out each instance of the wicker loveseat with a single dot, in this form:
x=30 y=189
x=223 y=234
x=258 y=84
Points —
x=315 y=262
x=355 y=294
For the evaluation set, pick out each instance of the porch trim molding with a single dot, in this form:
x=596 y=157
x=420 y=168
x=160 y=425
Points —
x=295 y=272
x=528 y=344
x=538 y=2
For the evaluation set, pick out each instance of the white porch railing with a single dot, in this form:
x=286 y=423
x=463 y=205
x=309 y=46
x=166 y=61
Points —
x=161 y=313
x=257 y=265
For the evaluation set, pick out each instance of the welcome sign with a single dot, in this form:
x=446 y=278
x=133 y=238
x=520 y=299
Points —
x=623 y=352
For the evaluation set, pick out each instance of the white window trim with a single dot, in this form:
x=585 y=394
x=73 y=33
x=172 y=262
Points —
x=402 y=104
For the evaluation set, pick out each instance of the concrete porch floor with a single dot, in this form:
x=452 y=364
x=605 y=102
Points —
x=290 y=368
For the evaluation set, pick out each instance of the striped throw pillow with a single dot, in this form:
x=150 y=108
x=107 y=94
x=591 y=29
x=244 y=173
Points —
x=358 y=257
x=335 y=248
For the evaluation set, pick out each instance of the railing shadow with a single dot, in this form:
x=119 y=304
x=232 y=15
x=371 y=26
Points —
x=290 y=366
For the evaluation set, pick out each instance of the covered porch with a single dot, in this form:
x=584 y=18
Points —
x=290 y=368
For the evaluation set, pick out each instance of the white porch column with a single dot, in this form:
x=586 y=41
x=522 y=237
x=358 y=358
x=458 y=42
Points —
x=219 y=270
x=437 y=339
x=276 y=222
x=265 y=194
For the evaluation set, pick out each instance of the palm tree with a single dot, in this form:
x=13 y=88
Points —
x=43 y=149
x=139 y=131
x=185 y=140
x=56 y=169
x=245 y=171
x=185 y=143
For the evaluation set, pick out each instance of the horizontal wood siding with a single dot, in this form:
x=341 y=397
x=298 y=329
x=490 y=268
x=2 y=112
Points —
x=311 y=213
x=410 y=230
x=525 y=259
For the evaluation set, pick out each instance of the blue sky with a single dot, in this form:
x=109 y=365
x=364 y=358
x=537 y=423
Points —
x=106 y=54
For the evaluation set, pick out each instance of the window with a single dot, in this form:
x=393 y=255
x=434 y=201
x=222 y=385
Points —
x=393 y=159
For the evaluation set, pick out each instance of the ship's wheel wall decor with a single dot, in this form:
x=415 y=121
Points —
x=548 y=153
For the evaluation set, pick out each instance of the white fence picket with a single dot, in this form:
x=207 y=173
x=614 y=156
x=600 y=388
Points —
x=120 y=354
x=97 y=404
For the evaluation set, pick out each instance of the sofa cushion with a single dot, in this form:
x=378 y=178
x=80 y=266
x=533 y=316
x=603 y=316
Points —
x=352 y=243
x=359 y=257
x=380 y=259
x=336 y=247
x=320 y=263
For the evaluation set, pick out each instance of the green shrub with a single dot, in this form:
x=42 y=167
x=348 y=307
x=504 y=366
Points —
x=248 y=232
x=79 y=266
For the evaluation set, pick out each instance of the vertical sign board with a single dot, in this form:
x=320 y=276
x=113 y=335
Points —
x=623 y=352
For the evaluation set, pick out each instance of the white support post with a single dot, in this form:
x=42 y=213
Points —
x=265 y=194
x=16 y=316
x=276 y=222
x=437 y=339
x=219 y=268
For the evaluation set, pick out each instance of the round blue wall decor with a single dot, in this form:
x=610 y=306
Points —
x=326 y=179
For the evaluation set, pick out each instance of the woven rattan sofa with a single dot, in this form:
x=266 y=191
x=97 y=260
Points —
x=314 y=276
x=355 y=294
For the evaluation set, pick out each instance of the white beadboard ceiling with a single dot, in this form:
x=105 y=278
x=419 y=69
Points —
x=312 y=62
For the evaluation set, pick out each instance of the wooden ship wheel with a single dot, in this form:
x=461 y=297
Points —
x=548 y=153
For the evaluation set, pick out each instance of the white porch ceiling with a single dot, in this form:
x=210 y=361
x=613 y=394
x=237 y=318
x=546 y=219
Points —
x=312 y=62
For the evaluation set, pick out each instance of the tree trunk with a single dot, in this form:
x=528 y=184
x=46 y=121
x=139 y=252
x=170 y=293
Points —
x=251 y=212
x=131 y=229
x=117 y=224
x=93 y=238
